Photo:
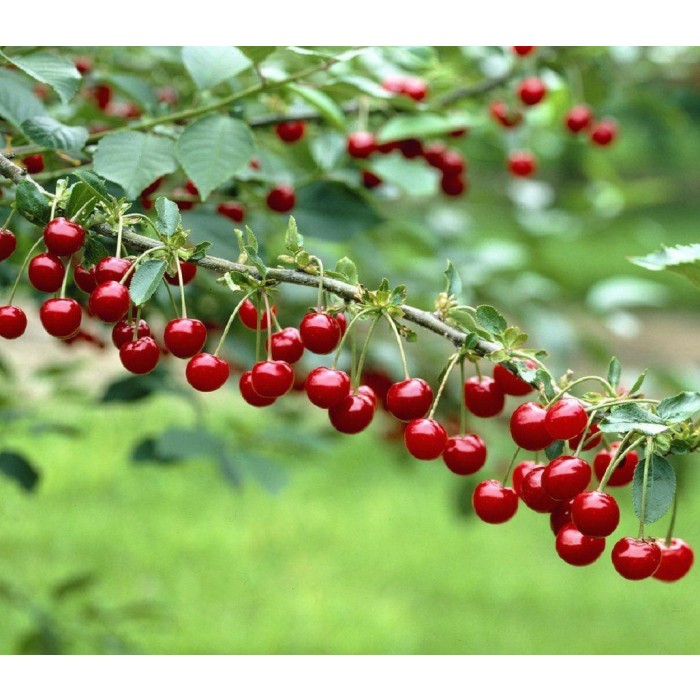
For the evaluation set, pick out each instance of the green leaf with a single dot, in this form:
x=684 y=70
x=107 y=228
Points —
x=680 y=407
x=422 y=125
x=200 y=250
x=210 y=65
x=638 y=383
x=32 y=203
x=554 y=450
x=135 y=88
x=134 y=388
x=146 y=280
x=81 y=199
x=97 y=184
x=17 y=101
x=255 y=260
x=413 y=177
x=327 y=149
x=490 y=319
x=328 y=109
x=453 y=286
x=661 y=489
x=544 y=378
x=187 y=443
x=257 y=54
x=213 y=149
x=293 y=240
x=47 y=132
x=134 y=160
x=17 y=468
x=57 y=71
x=348 y=270
x=614 y=371
x=681 y=259
x=463 y=319
x=365 y=85
x=169 y=219
x=628 y=417
x=93 y=251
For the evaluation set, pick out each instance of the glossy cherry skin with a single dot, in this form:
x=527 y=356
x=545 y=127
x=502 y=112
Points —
x=34 y=163
x=63 y=237
x=593 y=439
x=493 y=502
x=281 y=199
x=522 y=469
x=595 y=514
x=451 y=163
x=523 y=50
x=453 y=185
x=509 y=383
x=425 y=438
x=483 y=397
x=566 y=419
x=286 y=345
x=8 y=243
x=504 y=115
x=560 y=516
x=624 y=472
x=185 y=337
x=409 y=399
x=272 y=378
x=112 y=269
x=361 y=144
x=579 y=118
x=411 y=148
x=327 y=387
x=249 y=316
x=676 y=560
x=565 y=477
x=434 y=154
x=527 y=427
x=415 y=88
x=85 y=280
x=13 y=322
x=577 y=549
x=352 y=415
x=289 y=132
x=123 y=332
x=250 y=396
x=533 y=494
x=368 y=393
x=46 y=272
x=207 y=372
x=604 y=132
x=189 y=272
x=522 y=164
x=140 y=356
x=110 y=301
x=531 y=91
x=342 y=322
x=232 y=210
x=464 y=454
x=636 y=559
x=61 y=317
x=319 y=332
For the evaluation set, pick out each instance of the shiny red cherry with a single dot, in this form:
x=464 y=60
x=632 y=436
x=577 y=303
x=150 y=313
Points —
x=84 y=279
x=565 y=477
x=595 y=514
x=61 y=317
x=451 y=163
x=493 y=502
x=112 y=270
x=46 y=272
x=636 y=559
x=604 y=132
x=185 y=337
x=464 y=454
x=34 y=163
x=527 y=427
x=250 y=396
x=593 y=439
x=453 y=185
x=676 y=560
x=140 y=356
x=352 y=415
x=370 y=180
x=533 y=494
x=579 y=118
x=361 y=144
x=281 y=199
x=327 y=387
x=531 y=91
x=123 y=332
x=63 y=237
x=411 y=148
x=566 y=419
x=434 y=153
x=207 y=372
x=189 y=271
x=523 y=50
x=560 y=516
x=342 y=322
x=415 y=88
x=509 y=383
x=272 y=378
x=289 y=132
x=624 y=472
x=522 y=469
x=409 y=399
x=319 y=332
x=368 y=393
x=286 y=345
x=522 y=164
x=425 y=438
x=504 y=115
x=232 y=210
x=110 y=301
x=577 y=549
x=13 y=322
x=483 y=397
x=8 y=243
x=249 y=316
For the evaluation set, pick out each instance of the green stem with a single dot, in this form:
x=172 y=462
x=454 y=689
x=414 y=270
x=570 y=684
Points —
x=172 y=300
x=478 y=370
x=443 y=383
x=120 y=230
x=672 y=524
x=135 y=333
x=620 y=454
x=351 y=326
x=510 y=466
x=584 y=436
x=620 y=402
x=462 y=407
x=392 y=323
x=181 y=284
x=21 y=269
x=645 y=479
x=589 y=378
x=258 y=326
x=227 y=328
x=269 y=326
x=62 y=294
x=9 y=218
x=133 y=265
x=363 y=354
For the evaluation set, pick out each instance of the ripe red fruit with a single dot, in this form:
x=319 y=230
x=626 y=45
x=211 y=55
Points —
x=189 y=271
x=411 y=148
x=370 y=180
x=183 y=198
x=425 y=438
x=595 y=514
x=185 y=337
x=63 y=237
x=578 y=118
x=533 y=494
x=34 y=163
x=409 y=399
x=636 y=559
x=522 y=164
x=361 y=144
x=272 y=378
x=290 y=131
x=493 y=502
x=249 y=316
x=167 y=95
x=281 y=198
x=464 y=454
x=560 y=516
x=245 y=385
x=566 y=419
x=342 y=322
x=593 y=438
x=566 y=476
x=483 y=397
x=123 y=332
x=286 y=345
x=415 y=88
x=110 y=301
x=624 y=472
x=531 y=91
x=522 y=469
x=232 y=210
x=368 y=393
x=46 y=272
x=434 y=154
x=83 y=64
x=504 y=115
x=112 y=269
x=577 y=549
x=676 y=560
x=509 y=383
x=327 y=387
x=13 y=322
x=61 y=317
x=527 y=427
x=394 y=84
x=103 y=95
x=523 y=50
x=453 y=185
x=207 y=372
x=604 y=132
x=140 y=356
x=319 y=332
x=8 y=243
x=451 y=163
x=352 y=415
x=192 y=188
x=85 y=279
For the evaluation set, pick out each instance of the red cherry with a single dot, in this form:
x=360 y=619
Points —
x=368 y=393
x=290 y=131
x=207 y=372
x=342 y=322
x=636 y=559
x=370 y=180
x=183 y=198
x=232 y=210
x=453 y=185
x=85 y=279
x=593 y=438
x=123 y=332
x=624 y=472
x=578 y=118
x=140 y=356
x=522 y=469
x=8 y=243
x=286 y=345
x=152 y=188
x=272 y=378
x=245 y=385
x=112 y=269
x=61 y=317
x=103 y=95
x=509 y=383
x=110 y=301
x=361 y=144
x=63 y=237
x=281 y=198
x=566 y=419
x=415 y=88
x=493 y=502
x=577 y=549
x=409 y=399
x=527 y=427
x=13 y=322
x=249 y=316
x=434 y=154
x=388 y=147
x=83 y=64
x=522 y=164
x=34 y=163
x=523 y=50
x=352 y=415
x=533 y=494
x=560 y=516
x=566 y=476
x=394 y=84
x=185 y=337
x=319 y=332
x=531 y=91
x=46 y=272
x=483 y=397
x=465 y=454
x=379 y=382
x=451 y=163
x=189 y=271
x=504 y=115
x=327 y=387
x=425 y=438
x=676 y=560
x=411 y=148
x=604 y=132
x=167 y=95
x=595 y=514
x=191 y=188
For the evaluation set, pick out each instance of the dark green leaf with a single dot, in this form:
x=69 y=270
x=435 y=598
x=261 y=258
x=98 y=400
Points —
x=97 y=184
x=348 y=270
x=679 y=447
x=680 y=407
x=135 y=88
x=187 y=443
x=661 y=489
x=169 y=219
x=464 y=319
x=72 y=585
x=293 y=240
x=614 y=371
x=554 y=450
x=453 y=286
x=256 y=261
x=47 y=132
x=17 y=101
x=257 y=54
x=57 y=71
x=210 y=65
x=542 y=377
x=681 y=259
x=146 y=279
x=628 y=417
x=32 y=203
x=490 y=320
x=638 y=383
x=17 y=468
x=200 y=250
x=81 y=199
x=145 y=451
x=133 y=388
x=94 y=251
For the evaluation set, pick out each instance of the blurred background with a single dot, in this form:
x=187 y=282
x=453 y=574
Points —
x=138 y=517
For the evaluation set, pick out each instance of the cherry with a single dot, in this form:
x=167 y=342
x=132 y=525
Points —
x=103 y=95
x=415 y=88
x=504 y=115
x=456 y=133
x=112 y=269
x=352 y=415
x=46 y=272
x=281 y=198
x=453 y=185
x=604 y=132
x=85 y=279
x=245 y=385
x=578 y=549
x=319 y=332
x=140 y=356
x=531 y=91
x=409 y=399
x=593 y=438
x=327 y=387
x=595 y=514
x=522 y=469
x=61 y=317
x=379 y=382
x=560 y=516
x=370 y=180
x=533 y=494
x=83 y=64
x=249 y=316
x=522 y=164
x=523 y=50
x=676 y=560
x=451 y=163
x=483 y=397
x=624 y=472
x=286 y=345
x=8 y=243
x=566 y=419
x=493 y=502
x=63 y=237
x=425 y=438
x=434 y=154
x=207 y=372
x=342 y=322
x=110 y=301
x=509 y=383
x=152 y=188
x=527 y=427
x=34 y=163
x=191 y=188
x=13 y=322
x=566 y=476
x=578 y=118
x=636 y=559
x=394 y=84
x=361 y=144
x=185 y=337
x=189 y=271
x=290 y=132
x=465 y=454
x=167 y=95
x=183 y=198
x=272 y=378
x=411 y=148
x=123 y=332
x=232 y=210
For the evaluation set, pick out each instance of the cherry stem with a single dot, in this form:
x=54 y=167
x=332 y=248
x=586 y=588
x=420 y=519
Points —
x=181 y=284
x=510 y=466
x=133 y=265
x=80 y=211
x=227 y=328
x=462 y=407
x=620 y=402
x=22 y=269
x=619 y=455
x=672 y=524
x=276 y=322
x=172 y=299
x=392 y=323
x=135 y=334
x=363 y=354
x=443 y=383
x=590 y=378
x=9 y=218
x=351 y=326
x=258 y=327
x=269 y=326
x=643 y=506
x=65 y=280
x=478 y=370
x=584 y=436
